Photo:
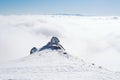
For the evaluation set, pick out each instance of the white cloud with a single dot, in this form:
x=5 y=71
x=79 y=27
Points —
x=95 y=39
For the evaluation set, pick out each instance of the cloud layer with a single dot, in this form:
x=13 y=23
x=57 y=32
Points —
x=95 y=39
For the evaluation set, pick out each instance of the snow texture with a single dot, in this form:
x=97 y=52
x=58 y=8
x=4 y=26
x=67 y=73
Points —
x=54 y=65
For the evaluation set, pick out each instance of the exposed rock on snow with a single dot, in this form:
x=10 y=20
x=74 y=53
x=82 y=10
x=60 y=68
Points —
x=53 y=45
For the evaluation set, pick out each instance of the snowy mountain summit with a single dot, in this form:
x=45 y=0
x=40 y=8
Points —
x=51 y=62
x=53 y=45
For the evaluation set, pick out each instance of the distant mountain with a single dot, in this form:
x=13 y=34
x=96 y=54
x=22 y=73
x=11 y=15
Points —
x=70 y=14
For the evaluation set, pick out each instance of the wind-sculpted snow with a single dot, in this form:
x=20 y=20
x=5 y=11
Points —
x=54 y=65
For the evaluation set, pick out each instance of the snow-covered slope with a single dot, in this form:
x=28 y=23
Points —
x=53 y=65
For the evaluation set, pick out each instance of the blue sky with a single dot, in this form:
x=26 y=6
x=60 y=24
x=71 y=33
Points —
x=84 y=7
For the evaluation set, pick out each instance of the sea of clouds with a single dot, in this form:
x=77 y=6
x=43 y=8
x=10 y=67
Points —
x=94 y=39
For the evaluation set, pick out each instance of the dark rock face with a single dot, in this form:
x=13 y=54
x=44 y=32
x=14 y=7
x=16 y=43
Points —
x=33 y=50
x=54 y=40
x=53 y=45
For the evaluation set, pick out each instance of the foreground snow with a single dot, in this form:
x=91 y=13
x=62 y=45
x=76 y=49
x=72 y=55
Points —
x=54 y=65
